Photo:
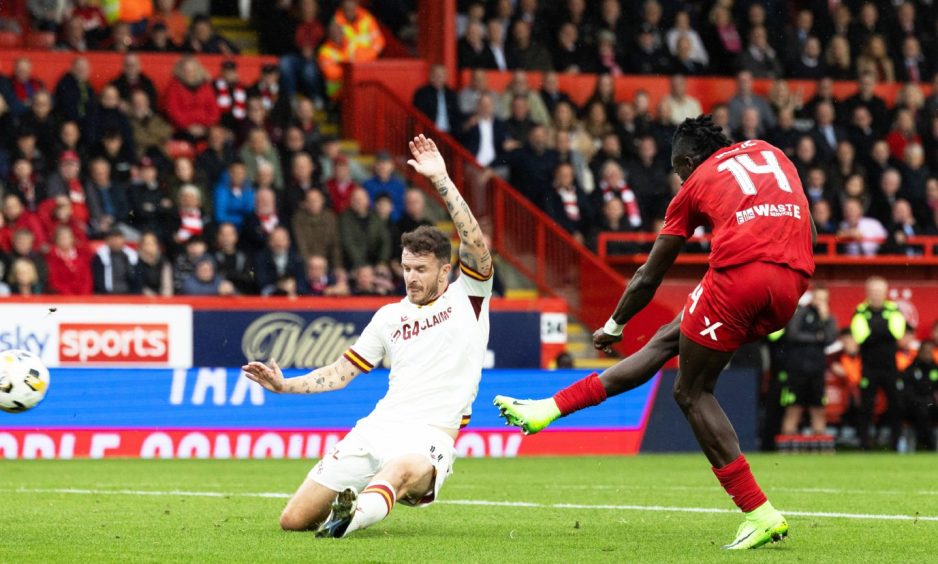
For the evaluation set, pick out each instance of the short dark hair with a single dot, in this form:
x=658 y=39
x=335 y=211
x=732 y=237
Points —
x=701 y=136
x=427 y=239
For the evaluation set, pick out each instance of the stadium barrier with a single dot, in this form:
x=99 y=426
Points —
x=218 y=413
x=185 y=332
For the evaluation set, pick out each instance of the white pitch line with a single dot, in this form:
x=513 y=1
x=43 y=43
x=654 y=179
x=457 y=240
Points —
x=487 y=503
x=839 y=491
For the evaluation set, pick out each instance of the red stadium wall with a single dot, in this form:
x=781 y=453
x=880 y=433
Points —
x=709 y=90
x=49 y=66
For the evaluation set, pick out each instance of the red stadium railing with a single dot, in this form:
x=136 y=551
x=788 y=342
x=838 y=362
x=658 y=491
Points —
x=522 y=234
x=922 y=251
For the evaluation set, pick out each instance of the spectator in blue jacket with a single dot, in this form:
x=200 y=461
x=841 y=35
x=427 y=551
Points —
x=386 y=182
x=234 y=195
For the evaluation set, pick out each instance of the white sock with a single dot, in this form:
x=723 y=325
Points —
x=374 y=504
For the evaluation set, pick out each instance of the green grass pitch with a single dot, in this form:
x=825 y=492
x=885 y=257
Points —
x=630 y=509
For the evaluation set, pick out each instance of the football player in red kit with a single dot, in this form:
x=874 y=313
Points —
x=760 y=263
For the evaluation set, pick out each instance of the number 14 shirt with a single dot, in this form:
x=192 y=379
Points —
x=750 y=196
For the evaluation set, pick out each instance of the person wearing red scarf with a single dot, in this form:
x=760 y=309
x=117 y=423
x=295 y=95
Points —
x=341 y=185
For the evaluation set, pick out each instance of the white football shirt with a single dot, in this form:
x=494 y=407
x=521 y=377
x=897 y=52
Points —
x=436 y=353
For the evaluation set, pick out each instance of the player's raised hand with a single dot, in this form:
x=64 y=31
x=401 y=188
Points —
x=427 y=158
x=603 y=341
x=267 y=375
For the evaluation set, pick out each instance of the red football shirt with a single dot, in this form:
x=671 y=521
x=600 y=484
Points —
x=750 y=196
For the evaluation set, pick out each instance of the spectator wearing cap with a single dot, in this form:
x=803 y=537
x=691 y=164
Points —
x=231 y=95
x=107 y=200
x=316 y=228
x=203 y=39
x=438 y=101
x=151 y=208
x=160 y=41
x=234 y=195
x=133 y=79
x=361 y=30
x=234 y=265
x=190 y=100
x=298 y=67
x=277 y=260
x=267 y=88
x=386 y=181
x=69 y=266
x=150 y=131
x=16 y=217
x=114 y=266
x=341 y=185
x=261 y=222
x=365 y=238
x=75 y=99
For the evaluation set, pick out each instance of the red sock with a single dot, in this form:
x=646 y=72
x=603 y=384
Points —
x=581 y=394
x=738 y=481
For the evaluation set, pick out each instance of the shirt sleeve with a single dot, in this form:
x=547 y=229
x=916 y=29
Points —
x=369 y=349
x=475 y=283
x=681 y=217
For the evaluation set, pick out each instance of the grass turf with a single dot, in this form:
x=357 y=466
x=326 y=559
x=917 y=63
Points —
x=55 y=526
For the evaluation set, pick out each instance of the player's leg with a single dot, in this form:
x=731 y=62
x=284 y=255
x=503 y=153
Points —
x=308 y=507
x=887 y=381
x=792 y=419
x=535 y=415
x=408 y=476
x=700 y=367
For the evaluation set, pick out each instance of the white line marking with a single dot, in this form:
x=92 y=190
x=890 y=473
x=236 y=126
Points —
x=715 y=488
x=486 y=503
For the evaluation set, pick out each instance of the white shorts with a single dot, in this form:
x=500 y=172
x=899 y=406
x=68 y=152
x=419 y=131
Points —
x=355 y=460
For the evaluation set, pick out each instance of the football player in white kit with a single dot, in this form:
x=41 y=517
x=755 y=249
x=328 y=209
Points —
x=435 y=339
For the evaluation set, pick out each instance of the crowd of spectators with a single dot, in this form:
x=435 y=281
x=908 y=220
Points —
x=868 y=168
x=213 y=188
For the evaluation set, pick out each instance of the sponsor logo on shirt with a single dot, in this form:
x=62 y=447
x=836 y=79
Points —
x=410 y=330
x=768 y=210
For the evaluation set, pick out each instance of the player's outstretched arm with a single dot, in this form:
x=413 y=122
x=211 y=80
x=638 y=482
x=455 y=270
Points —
x=640 y=290
x=326 y=379
x=428 y=161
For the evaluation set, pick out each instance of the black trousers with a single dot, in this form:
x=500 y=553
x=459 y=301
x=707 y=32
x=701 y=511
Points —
x=876 y=379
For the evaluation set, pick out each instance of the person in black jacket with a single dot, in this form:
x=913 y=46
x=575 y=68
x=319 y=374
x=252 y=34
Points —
x=438 y=101
x=568 y=205
x=808 y=334
x=918 y=390
x=151 y=208
x=276 y=262
x=114 y=266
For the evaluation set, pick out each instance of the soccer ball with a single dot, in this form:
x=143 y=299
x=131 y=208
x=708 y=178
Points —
x=24 y=380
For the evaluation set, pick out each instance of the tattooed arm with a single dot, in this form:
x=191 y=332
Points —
x=473 y=252
x=326 y=379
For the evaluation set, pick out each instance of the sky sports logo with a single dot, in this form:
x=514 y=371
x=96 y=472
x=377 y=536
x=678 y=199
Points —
x=113 y=343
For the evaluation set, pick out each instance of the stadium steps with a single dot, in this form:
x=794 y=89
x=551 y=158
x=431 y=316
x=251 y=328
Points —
x=239 y=32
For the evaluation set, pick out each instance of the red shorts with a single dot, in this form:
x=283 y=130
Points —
x=741 y=304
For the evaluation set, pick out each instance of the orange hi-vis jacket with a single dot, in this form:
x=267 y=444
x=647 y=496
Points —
x=330 y=59
x=135 y=10
x=362 y=35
